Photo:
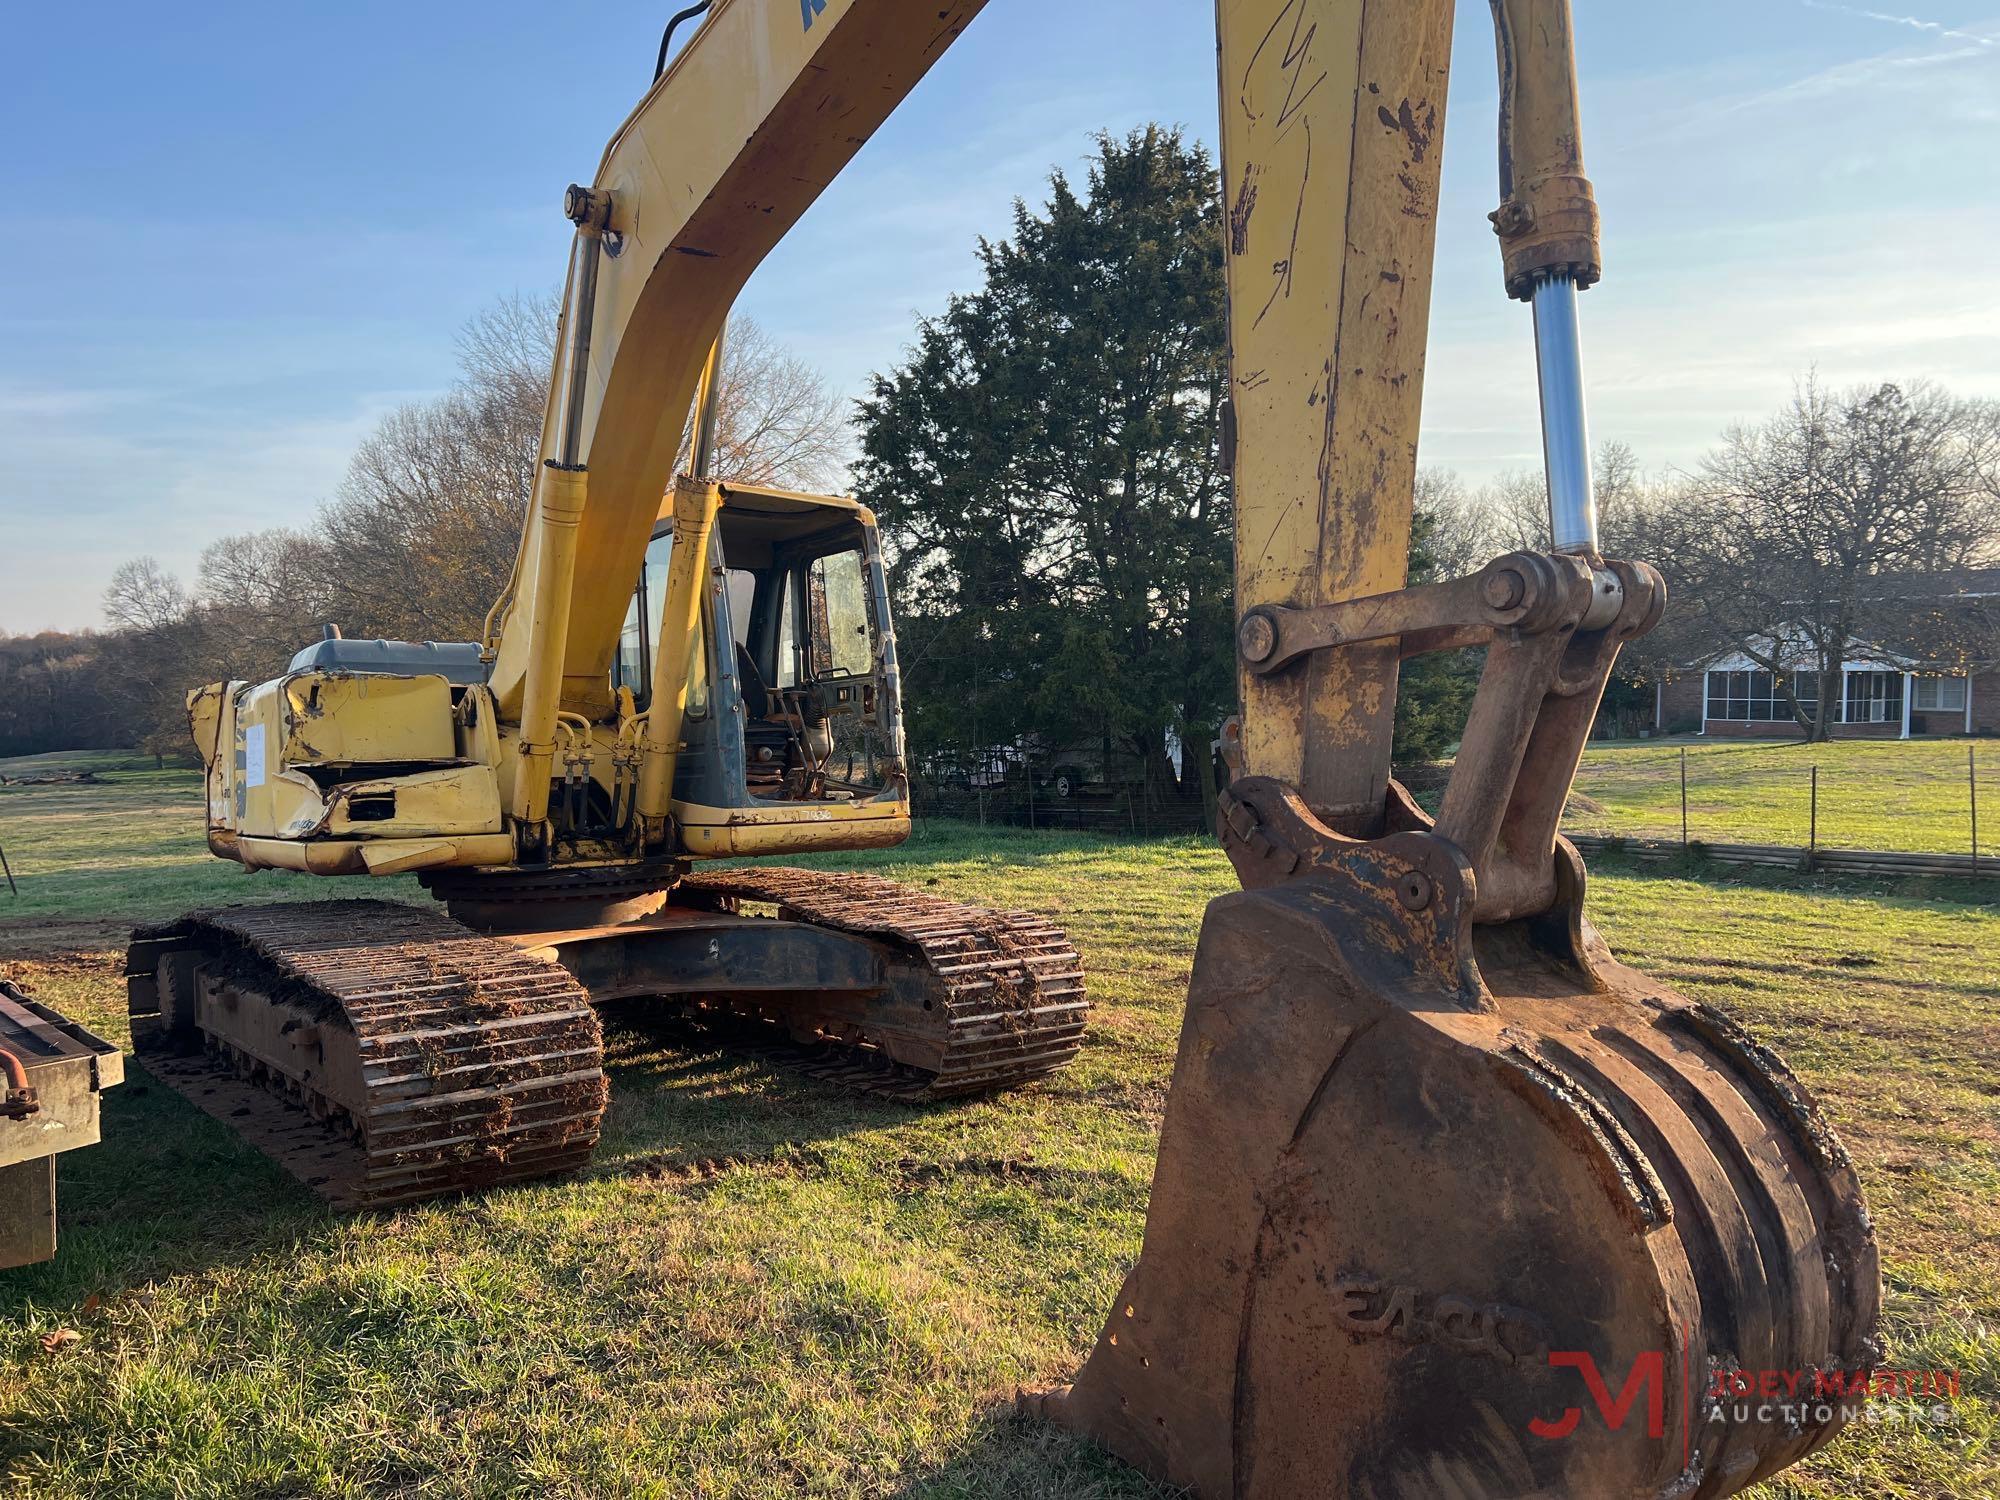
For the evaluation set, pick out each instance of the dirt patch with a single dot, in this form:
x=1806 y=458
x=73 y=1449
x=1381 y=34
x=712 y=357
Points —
x=914 y=1171
x=55 y=937
x=61 y=979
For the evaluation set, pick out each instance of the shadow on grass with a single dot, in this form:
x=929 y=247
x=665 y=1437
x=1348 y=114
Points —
x=686 y=1095
x=168 y=1191
x=944 y=843
x=1010 y=1457
x=172 y=1191
x=1696 y=867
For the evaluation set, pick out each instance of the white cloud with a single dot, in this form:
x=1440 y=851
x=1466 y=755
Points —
x=1915 y=23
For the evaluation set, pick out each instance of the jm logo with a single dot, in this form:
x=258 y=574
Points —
x=1648 y=1376
x=810 y=8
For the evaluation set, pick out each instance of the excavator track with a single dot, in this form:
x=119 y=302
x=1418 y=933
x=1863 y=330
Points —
x=382 y=1053
x=1005 y=1001
x=385 y=1054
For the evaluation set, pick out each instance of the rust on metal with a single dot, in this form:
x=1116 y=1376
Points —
x=383 y=1053
x=1425 y=1135
x=1001 y=992
x=56 y=1072
x=386 y=1054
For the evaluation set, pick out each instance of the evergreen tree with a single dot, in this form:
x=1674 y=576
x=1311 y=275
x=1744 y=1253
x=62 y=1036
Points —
x=1047 y=466
x=1434 y=693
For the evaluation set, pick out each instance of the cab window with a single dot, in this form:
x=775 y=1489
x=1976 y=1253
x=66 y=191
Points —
x=837 y=591
x=639 y=639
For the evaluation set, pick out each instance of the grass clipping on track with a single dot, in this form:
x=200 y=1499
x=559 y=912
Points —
x=766 y=1286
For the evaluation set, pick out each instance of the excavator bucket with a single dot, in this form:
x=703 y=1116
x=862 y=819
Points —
x=1447 y=1211
x=1449 y=1203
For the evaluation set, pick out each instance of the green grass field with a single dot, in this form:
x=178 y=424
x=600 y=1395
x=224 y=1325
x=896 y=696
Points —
x=767 y=1287
x=1912 y=795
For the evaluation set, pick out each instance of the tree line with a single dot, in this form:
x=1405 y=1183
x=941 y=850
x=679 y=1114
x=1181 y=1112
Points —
x=1841 y=525
x=415 y=544
x=1047 y=464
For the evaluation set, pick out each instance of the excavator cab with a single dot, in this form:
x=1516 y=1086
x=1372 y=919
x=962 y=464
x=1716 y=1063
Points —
x=802 y=705
x=794 y=710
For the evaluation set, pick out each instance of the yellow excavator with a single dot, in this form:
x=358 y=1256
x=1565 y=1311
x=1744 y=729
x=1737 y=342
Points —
x=1449 y=1203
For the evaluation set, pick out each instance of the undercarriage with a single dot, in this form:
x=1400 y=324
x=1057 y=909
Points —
x=385 y=1053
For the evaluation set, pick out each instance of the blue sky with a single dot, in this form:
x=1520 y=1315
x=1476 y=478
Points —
x=232 y=236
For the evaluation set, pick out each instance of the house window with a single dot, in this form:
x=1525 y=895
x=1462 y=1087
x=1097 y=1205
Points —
x=1760 y=696
x=1874 y=698
x=1939 y=695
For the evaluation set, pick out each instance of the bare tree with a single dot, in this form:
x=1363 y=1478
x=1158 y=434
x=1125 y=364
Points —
x=421 y=535
x=1511 y=511
x=1516 y=505
x=157 y=651
x=1458 y=534
x=144 y=596
x=505 y=353
x=424 y=529
x=779 y=422
x=1830 y=525
x=262 y=596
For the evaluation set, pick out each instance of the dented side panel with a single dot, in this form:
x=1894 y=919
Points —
x=354 y=718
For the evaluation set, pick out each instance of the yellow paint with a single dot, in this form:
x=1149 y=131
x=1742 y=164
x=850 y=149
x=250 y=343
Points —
x=1332 y=127
x=343 y=719
x=212 y=722
x=260 y=744
x=464 y=799
x=721 y=832
x=695 y=505
x=206 y=707
x=351 y=856
x=750 y=123
x=267 y=799
x=1332 y=120
x=560 y=502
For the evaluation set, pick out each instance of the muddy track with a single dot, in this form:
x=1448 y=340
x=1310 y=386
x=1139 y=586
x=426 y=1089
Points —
x=382 y=1053
x=385 y=1053
x=1007 y=993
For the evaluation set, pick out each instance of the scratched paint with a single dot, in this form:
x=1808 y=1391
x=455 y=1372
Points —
x=1331 y=113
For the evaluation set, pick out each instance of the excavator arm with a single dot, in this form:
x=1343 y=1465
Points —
x=1332 y=138
x=1435 y=1167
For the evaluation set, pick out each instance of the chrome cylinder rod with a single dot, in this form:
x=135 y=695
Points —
x=580 y=313
x=708 y=409
x=1565 y=427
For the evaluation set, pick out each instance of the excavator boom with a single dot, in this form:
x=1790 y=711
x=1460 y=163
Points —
x=739 y=135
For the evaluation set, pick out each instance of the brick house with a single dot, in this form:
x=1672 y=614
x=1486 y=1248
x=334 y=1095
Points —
x=1883 y=693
